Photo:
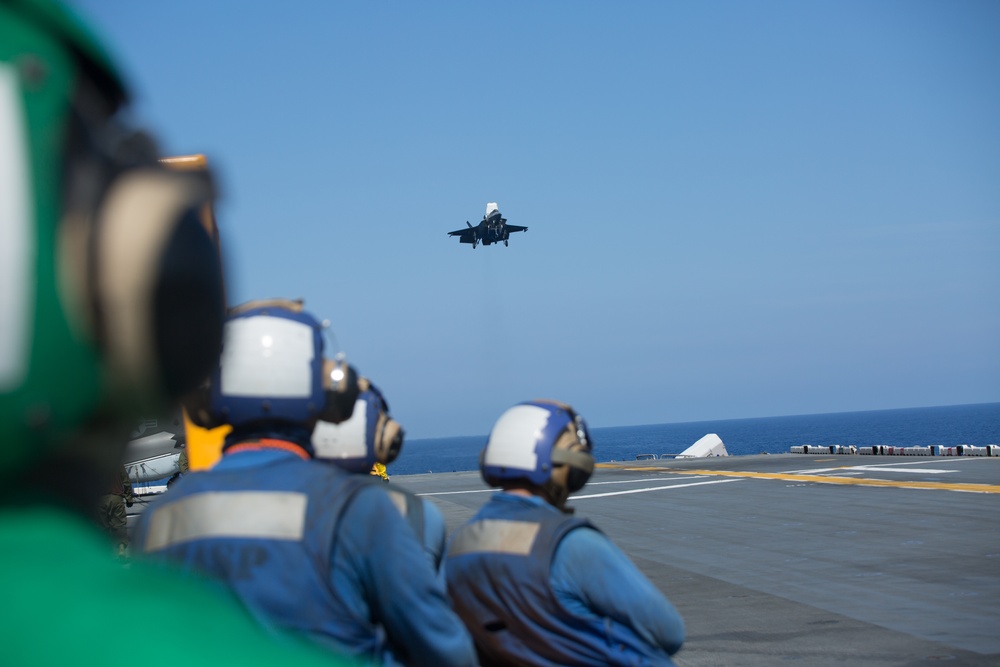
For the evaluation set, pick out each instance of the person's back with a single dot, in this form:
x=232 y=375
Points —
x=306 y=546
x=536 y=586
x=324 y=516
x=370 y=440
x=408 y=599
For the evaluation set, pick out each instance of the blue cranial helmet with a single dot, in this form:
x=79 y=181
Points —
x=272 y=369
x=542 y=443
x=369 y=436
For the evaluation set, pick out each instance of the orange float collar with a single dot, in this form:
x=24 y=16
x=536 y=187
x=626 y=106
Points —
x=269 y=443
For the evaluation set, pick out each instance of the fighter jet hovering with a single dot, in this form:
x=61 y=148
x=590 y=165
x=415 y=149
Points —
x=492 y=229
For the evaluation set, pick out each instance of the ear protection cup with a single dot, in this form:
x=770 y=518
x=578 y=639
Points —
x=576 y=479
x=388 y=434
x=580 y=463
x=388 y=438
x=145 y=280
x=572 y=449
x=198 y=405
x=139 y=275
x=341 y=388
x=158 y=293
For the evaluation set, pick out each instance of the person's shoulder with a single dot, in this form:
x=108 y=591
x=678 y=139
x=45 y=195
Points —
x=367 y=493
x=318 y=468
x=375 y=492
x=584 y=540
x=370 y=504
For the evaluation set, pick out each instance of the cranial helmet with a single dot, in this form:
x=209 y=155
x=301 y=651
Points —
x=369 y=436
x=272 y=369
x=110 y=288
x=540 y=443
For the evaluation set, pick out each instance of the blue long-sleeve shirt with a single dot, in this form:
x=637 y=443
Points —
x=379 y=560
x=591 y=577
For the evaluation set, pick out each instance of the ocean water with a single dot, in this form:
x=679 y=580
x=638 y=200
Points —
x=948 y=425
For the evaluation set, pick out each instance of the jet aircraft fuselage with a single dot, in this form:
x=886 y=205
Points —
x=493 y=228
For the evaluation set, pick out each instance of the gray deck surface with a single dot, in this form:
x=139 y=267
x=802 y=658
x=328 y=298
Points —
x=805 y=566
x=800 y=559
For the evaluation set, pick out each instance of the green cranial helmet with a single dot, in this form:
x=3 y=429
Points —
x=110 y=288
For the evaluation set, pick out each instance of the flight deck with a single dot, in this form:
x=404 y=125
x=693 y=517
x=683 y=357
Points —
x=816 y=560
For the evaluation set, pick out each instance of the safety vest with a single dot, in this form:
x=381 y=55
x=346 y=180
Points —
x=498 y=569
x=268 y=533
x=410 y=508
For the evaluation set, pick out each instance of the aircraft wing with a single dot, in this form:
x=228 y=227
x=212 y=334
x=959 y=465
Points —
x=466 y=235
x=516 y=228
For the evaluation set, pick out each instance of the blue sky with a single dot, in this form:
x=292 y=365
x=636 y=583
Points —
x=736 y=209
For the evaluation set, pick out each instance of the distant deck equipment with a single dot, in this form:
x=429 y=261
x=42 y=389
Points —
x=891 y=450
x=708 y=445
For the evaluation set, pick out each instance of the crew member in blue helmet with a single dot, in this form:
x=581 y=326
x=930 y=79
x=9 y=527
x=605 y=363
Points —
x=537 y=586
x=371 y=437
x=306 y=546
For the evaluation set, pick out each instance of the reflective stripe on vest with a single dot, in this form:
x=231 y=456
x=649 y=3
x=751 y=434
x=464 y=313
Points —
x=276 y=515
x=495 y=536
x=410 y=508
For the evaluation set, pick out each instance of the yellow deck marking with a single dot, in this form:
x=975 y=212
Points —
x=819 y=479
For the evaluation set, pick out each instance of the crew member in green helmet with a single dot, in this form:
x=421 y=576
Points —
x=110 y=303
